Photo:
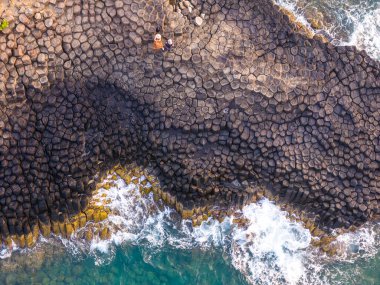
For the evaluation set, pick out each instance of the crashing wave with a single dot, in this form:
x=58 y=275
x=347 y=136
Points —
x=356 y=23
x=269 y=248
x=261 y=240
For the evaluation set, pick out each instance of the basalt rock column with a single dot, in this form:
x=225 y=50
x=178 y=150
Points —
x=243 y=98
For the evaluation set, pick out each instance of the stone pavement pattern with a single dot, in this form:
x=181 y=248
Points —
x=243 y=99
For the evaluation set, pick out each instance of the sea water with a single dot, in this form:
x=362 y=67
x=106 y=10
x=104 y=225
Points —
x=150 y=244
x=348 y=22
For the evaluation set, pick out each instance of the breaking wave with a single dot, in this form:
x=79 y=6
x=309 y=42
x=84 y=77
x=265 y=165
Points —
x=355 y=22
x=366 y=34
x=261 y=240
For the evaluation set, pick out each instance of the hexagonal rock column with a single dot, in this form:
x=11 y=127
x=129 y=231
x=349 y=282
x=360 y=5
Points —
x=242 y=99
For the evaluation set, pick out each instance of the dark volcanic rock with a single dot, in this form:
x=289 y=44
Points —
x=241 y=97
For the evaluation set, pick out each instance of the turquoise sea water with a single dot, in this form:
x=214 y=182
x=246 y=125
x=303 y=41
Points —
x=150 y=245
x=130 y=265
x=171 y=267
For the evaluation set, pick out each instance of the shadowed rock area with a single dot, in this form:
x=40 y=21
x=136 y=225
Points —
x=243 y=99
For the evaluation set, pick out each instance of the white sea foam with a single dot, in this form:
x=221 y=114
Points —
x=269 y=248
x=363 y=243
x=366 y=34
x=5 y=253
x=356 y=23
x=139 y=220
x=291 y=5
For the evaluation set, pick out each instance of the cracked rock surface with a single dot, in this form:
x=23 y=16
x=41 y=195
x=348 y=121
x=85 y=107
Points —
x=242 y=99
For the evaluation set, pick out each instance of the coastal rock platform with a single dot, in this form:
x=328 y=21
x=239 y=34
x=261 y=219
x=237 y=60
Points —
x=245 y=99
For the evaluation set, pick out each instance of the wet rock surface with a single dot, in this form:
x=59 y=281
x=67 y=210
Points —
x=241 y=100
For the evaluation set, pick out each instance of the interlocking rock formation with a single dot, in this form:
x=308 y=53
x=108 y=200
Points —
x=242 y=98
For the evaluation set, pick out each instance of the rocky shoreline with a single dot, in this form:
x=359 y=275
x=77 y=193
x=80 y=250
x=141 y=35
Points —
x=242 y=102
x=95 y=222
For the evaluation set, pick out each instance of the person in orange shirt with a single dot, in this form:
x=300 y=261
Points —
x=157 y=44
